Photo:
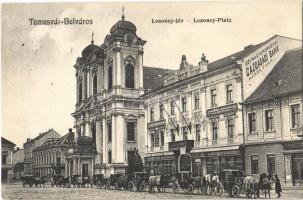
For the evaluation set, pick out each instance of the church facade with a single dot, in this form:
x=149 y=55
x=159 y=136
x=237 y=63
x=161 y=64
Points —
x=109 y=106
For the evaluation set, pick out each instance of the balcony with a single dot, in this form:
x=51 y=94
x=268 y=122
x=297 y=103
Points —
x=156 y=124
x=187 y=144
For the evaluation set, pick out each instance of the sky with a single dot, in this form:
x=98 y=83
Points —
x=37 y=75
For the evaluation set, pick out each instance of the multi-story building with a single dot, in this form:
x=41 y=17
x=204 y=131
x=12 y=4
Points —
x=189 y=119
x=195 y=120
x=50 y=157
x=30 y=144
x=110 y=79
x=18 y=163
x=7 y=149
x=273 y=122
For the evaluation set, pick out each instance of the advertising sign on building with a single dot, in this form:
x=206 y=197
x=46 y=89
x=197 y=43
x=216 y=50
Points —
x=259 y=63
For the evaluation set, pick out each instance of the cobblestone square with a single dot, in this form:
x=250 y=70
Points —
x=16 y=191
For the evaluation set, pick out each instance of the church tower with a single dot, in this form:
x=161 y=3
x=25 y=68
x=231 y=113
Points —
x=123 y=122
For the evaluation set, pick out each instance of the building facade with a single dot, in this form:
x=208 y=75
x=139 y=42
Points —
x=196 y=117
x=18 y=163
x=7 y=150
x=49 y=158
x=31 y=144
x=273 y=122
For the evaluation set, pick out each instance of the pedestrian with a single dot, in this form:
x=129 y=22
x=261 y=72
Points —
x=278 y=186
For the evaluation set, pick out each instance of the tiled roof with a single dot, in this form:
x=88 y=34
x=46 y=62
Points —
x=42 y=134
x=154 y=77
x=5 y=141
x=55 y=142
x=286 y=77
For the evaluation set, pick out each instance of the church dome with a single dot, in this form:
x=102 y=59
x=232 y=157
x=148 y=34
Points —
x=89 y=49
x=84 y=140
x=122 y=27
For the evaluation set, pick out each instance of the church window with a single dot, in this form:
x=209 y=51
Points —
x=110 y=77
x=129 y=76
x=80 y=92
x=95 y=84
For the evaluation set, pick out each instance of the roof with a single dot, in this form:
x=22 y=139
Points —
x=154 y=77
x=231 y=59
x=5 y=141
x=43 y=134
x=122 y=27
x=285 y=78
x=55 y=142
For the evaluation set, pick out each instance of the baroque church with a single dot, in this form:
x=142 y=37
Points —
x=110 y=112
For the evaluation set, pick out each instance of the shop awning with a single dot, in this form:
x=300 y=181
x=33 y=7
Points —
x=154 y=154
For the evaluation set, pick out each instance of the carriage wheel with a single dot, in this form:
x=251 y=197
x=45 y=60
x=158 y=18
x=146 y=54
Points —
x=141 y=187
x=190 y=189
x=235 y=191
x=175 y=188
x=131 y=186
x=218 y=189
x=203 y=190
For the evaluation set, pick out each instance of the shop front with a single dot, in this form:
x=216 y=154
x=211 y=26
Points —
x=293 y=152
x=209 y=161
x=161 y=164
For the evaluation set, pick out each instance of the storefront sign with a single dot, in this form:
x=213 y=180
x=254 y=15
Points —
x=259 y=63
x=185 y=163
x=188 y=144
x=222 y=153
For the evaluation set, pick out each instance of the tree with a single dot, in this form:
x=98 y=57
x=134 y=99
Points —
x=135 y=163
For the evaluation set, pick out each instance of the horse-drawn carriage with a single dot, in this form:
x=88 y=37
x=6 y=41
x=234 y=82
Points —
x=58 y=180
x=138 y=182
x=99 y=180
x=185 y=182
x=236 y=183
x=232 y=181
x=112 y=180
x=80 y=181
x=32 y=180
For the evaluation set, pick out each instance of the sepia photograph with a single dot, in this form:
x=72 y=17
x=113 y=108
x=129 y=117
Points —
x=151 y=100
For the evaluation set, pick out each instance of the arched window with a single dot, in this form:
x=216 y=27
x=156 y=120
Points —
x=129 y=76
x=95 y=84
x=80 y=92
x=110 y=77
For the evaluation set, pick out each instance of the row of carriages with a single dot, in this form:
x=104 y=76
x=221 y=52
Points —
x=214 y=184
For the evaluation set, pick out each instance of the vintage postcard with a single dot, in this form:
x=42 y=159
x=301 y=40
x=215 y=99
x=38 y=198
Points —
x=151 y=100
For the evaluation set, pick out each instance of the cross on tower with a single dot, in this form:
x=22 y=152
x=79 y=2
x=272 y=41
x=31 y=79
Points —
x=92 y=37
x=123 y=16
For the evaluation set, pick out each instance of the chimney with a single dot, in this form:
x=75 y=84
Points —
x=28 y=140
x=249 y=47
x=70 y=130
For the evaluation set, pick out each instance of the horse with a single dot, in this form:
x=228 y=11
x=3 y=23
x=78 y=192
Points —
x=251 y=185
x=39 y=181
x=264 y=184
x=156 y=181
x=208 y=183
